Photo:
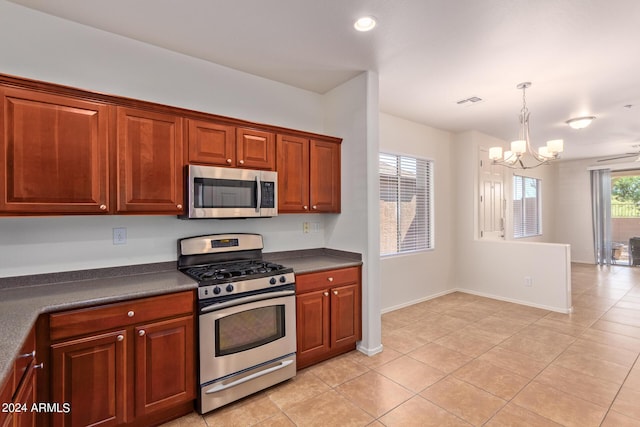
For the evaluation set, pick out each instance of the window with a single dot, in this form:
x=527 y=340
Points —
x=405 y=204
x=526 y=207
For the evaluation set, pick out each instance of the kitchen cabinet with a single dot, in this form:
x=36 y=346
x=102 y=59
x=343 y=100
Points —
x=149 y=162
x=328 y=314
x=308 y=175
x=124 y=363
x=219 y=144
x=18 y=394
x=54 y=153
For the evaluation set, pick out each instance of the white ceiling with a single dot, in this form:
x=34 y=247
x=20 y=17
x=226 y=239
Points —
x=582 y=56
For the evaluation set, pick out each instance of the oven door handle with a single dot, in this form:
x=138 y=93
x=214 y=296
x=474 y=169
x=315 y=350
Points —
x=245 y=300
x=222 y=387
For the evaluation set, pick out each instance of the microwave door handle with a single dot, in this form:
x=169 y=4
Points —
x=258 y=193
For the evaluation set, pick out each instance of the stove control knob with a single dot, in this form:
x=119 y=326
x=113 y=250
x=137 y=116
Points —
x=272 y=281
x=229 y=288
x=217 y=290
x=283 y=279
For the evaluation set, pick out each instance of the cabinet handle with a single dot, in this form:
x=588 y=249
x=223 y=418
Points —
x=305 y=207
x=120 y=337
x=24 y=356
x=103 y=207
x=141 y=332
x=335 y=292
x=241 y=162
x=314 y=207
x=179 y=206
x=228 y=161
x=326 y=294
x=39 y=366
x=131 y=313
x=330 y=279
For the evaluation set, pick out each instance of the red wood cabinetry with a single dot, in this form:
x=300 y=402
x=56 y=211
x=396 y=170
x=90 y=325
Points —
x=328 y=314
x=308 y=175
x=54 y=154
x=149 y=157
x=124 y=363
x=219 y=144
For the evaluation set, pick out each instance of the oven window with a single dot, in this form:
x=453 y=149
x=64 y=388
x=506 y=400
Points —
x=224 y=193
x=249 y=329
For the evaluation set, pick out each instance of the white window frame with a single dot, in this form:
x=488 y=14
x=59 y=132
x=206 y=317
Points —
x=527 y=219
x=397 y=166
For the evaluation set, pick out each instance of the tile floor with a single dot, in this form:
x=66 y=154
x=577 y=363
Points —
x=462 y=360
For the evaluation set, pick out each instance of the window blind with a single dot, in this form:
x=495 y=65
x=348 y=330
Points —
x=405 y=204
x=526 y=206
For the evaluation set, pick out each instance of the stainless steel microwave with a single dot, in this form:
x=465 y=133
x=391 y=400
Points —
x=215 y=192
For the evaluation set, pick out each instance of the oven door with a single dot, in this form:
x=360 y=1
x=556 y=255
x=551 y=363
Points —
x=242 y=333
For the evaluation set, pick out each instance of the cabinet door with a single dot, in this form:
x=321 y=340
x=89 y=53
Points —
x=53 y=154
x=26 y=395
x=211 y=143
x=164 y=363
x=149 y=162
x=312 y=326
x=345 y=316
x=90 y=374
x=325 y=176
x=256 y=149
x=293 y=174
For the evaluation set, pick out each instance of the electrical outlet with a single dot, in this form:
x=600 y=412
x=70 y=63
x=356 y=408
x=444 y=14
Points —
x=528 y=281
x=120 y=236
x=315 y=227
x=305 y=227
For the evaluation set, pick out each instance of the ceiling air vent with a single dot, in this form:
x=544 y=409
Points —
x=470 y=100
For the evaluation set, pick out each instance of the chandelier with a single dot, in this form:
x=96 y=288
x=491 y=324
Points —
x=521 y=155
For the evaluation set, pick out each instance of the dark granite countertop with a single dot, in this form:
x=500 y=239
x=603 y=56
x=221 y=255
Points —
x=23 y=299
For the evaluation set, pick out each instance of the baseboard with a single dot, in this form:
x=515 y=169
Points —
x=369 y=351
x=515 y=301
x=416 y=301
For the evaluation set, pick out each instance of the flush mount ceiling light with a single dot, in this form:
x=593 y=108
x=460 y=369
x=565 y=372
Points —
x=580 y=122
x=366 y=23
x=521 y=155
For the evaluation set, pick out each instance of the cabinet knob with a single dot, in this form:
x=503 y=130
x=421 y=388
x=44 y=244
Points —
x=330 y=279
x=103 y=207
x=120 y=337
x=131 y=313
x=314 y=207
x=141 y=332
x=335 y=292
x=39 y=366
x=228 y=161
x=305 y=207
x=241 y=162
x=326 y=294
x=24 y=356
x=179 y=206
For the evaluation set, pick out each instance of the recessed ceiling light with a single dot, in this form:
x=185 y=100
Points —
x=580 y=122
x=366 y=23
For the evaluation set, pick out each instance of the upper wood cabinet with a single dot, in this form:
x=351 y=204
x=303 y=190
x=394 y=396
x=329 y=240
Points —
x=149 y=158
x=224 y=145
x=54 y=153
x=308 y=175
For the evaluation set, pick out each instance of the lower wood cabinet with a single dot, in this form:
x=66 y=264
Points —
x=140 y=371
x=328 y=314
x=18 y=393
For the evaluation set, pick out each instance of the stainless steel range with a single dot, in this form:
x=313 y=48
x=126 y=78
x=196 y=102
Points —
x=247 y=316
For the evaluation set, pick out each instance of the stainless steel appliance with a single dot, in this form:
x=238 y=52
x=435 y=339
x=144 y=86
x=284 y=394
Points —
x=247 y=316
x=215 y=192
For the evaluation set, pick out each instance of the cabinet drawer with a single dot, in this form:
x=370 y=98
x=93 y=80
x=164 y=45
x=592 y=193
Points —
x=326 y=279
x=25 y=357
x=93 y=319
